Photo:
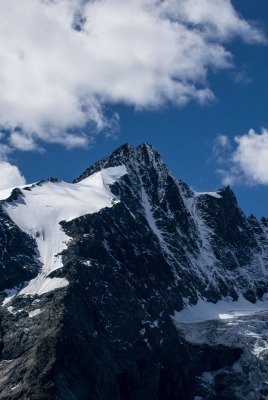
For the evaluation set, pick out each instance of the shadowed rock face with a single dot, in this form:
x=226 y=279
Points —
x=18 y=253
x=109 y=334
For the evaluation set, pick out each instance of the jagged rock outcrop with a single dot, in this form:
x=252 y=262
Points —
x=107 y=333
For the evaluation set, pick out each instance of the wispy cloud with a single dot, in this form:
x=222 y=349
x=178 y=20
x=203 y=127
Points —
x=63 y=60
x=245 y=161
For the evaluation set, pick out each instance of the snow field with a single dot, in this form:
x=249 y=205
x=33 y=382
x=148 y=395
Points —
x=40 y=210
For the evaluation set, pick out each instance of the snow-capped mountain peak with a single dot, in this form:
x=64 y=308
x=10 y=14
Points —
x=106 y=280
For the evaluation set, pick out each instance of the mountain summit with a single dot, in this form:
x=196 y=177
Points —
x=98 y=275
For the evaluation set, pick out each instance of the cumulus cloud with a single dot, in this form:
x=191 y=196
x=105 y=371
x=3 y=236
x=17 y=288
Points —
x=251 y=155
x=62 y=61
x=247 y=161
x=10 y=176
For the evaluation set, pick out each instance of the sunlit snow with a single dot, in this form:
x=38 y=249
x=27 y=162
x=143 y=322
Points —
x=39 y=210
x=5 y=193
x=213 y=194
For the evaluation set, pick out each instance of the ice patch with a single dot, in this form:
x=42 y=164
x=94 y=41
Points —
x=42 y=284
x=10 y=294
x=11 y=310
x=213 y=194
x=149 y=215
x=35 y=312
x=223 y=309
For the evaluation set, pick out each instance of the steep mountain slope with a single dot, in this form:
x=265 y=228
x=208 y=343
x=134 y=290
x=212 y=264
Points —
x=206 y=239
x=116 y=254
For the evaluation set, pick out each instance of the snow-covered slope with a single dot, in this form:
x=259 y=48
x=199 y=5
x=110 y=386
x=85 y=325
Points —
x=40 y=208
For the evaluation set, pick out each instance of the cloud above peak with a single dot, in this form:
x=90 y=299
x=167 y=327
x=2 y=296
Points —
x=62 y=61
x=246 y=160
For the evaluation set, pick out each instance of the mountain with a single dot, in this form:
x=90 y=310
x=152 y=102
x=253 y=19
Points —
x=128 y=285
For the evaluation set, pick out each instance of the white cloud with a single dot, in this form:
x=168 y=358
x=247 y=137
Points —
x=55 y=80
x=22 y=141
x=221 y=142
x=4 y=151
x=247 y=163
x=251 y=156
x=220 y=147
x=229 y=177
x=217 y=19
x=10 y=176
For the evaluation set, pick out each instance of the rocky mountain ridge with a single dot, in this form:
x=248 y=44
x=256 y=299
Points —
x=151 y=249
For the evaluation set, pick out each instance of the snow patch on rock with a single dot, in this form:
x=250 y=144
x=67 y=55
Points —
x=213 y=194
x=35 y=312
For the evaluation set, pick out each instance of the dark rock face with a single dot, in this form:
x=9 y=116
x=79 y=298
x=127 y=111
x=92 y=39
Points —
x=17 y=254
x=31 y=330
x=109 y=334
x=128 y=301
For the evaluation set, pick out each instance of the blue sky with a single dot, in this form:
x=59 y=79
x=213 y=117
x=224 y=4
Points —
x=188 y=76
